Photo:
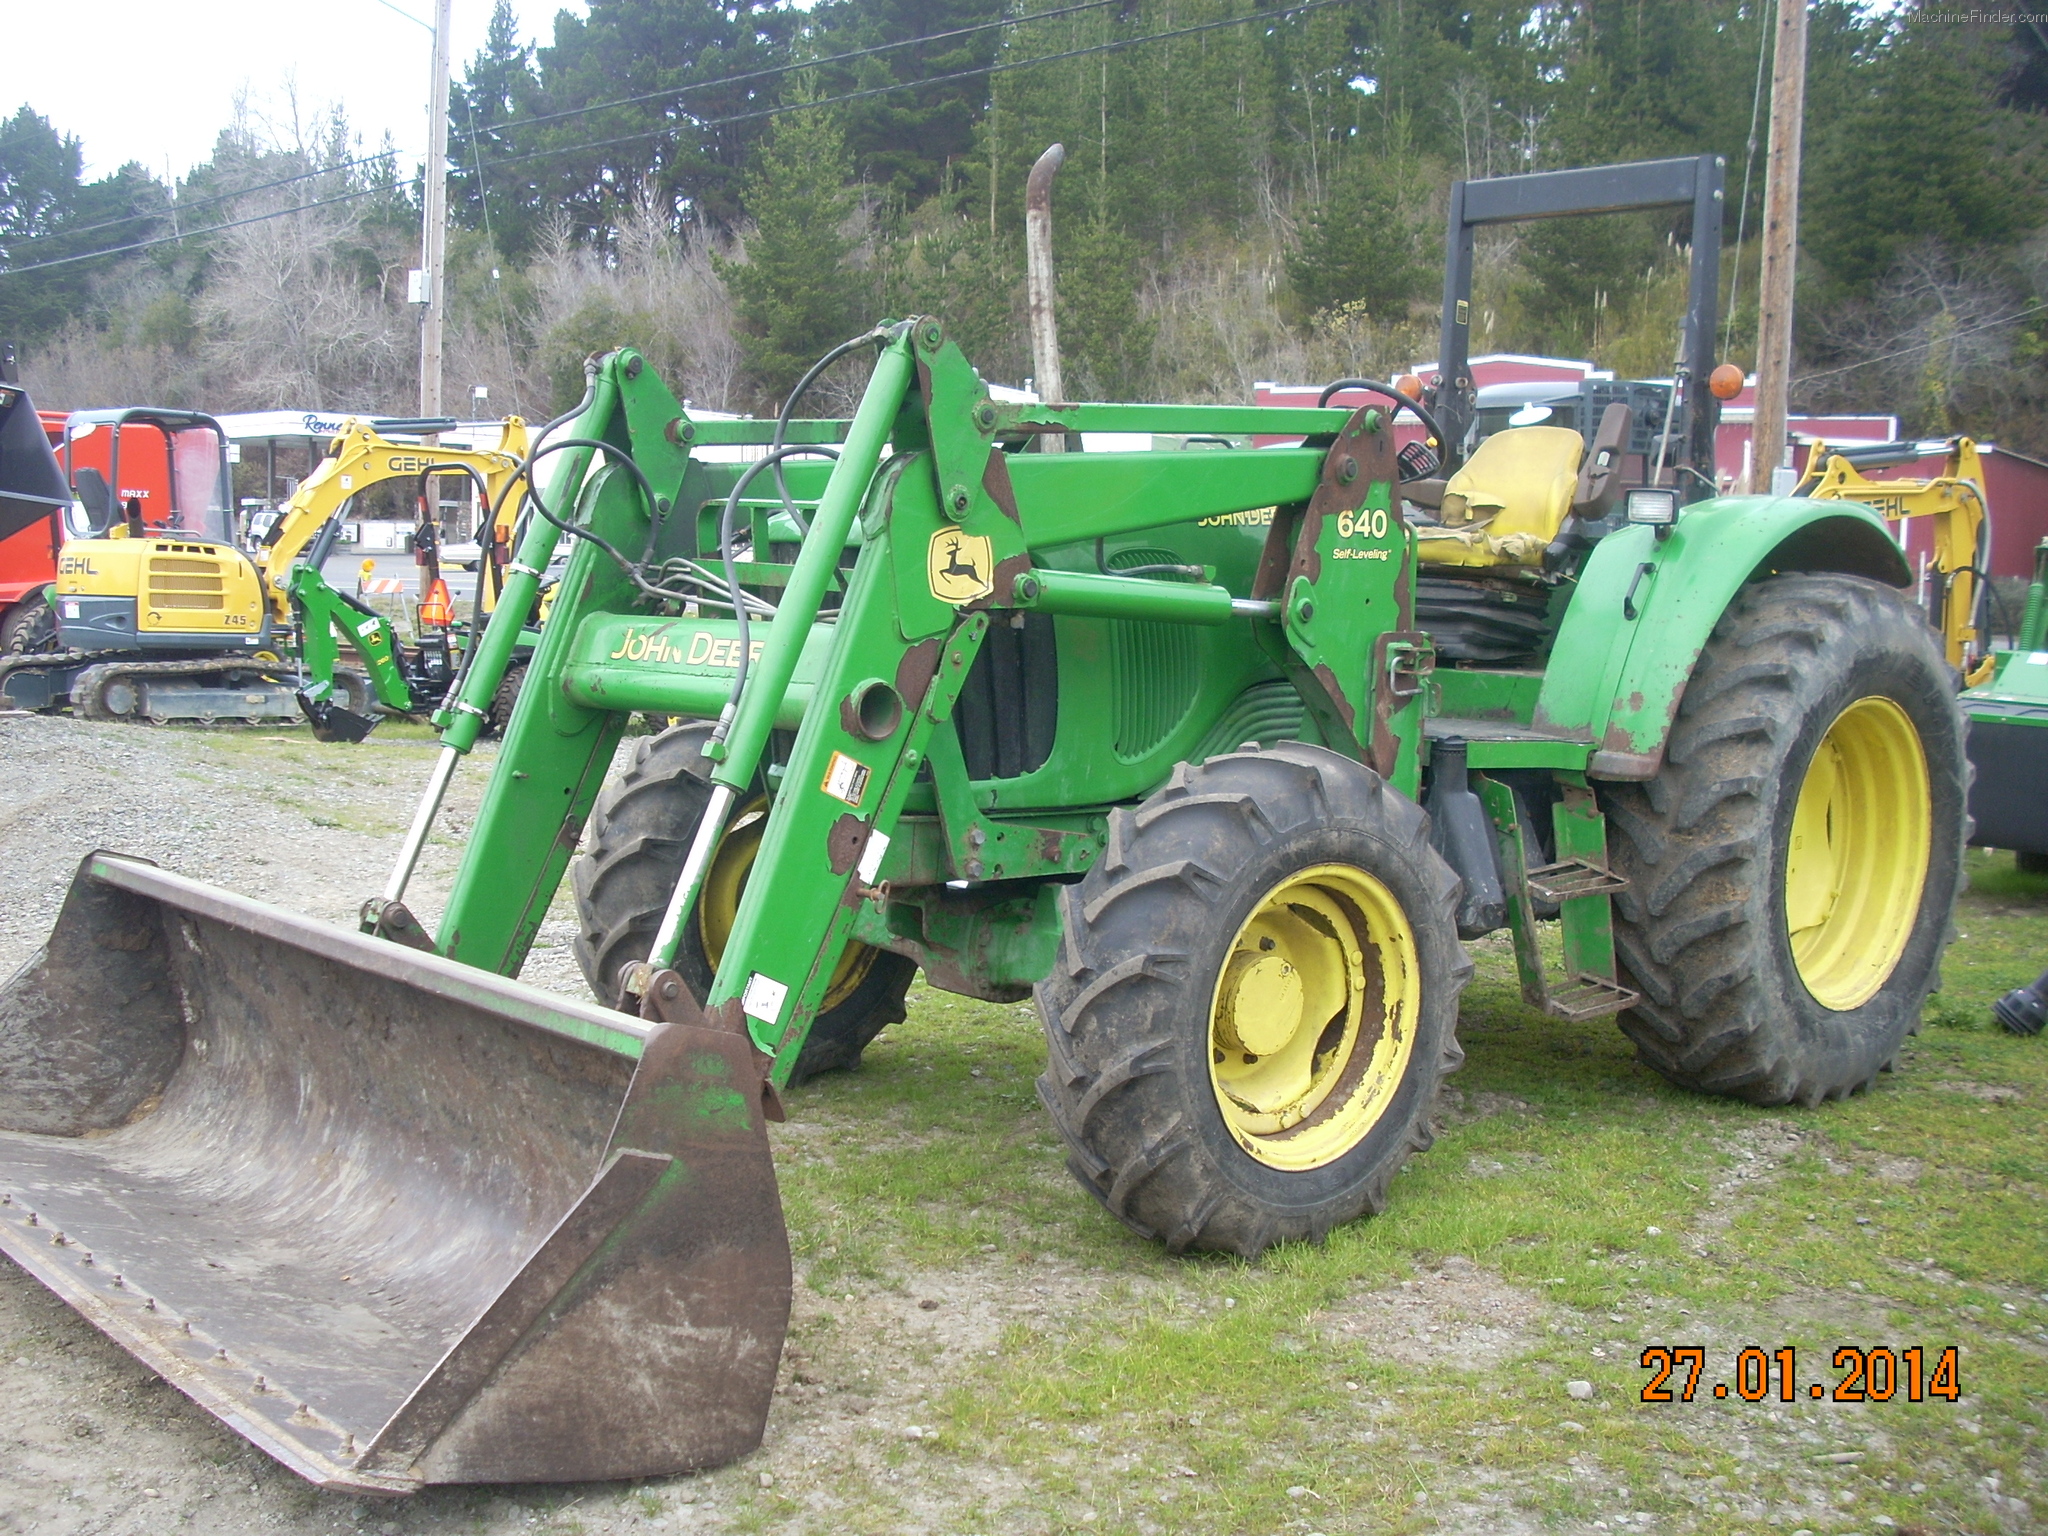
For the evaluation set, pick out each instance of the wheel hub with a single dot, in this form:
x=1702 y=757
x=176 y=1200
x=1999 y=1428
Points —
x=1313 y=1020
x=1857 y=856
x=1261 y=1005
x=719 y=905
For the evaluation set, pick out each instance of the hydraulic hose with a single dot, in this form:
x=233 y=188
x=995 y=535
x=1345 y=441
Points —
x=726 y=519
x=491 y=509
x=788 y=412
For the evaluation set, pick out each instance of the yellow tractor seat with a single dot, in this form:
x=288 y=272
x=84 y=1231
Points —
x=1505 y=505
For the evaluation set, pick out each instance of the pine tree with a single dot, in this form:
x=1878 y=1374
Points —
x=1105 y=341
x=1914 y=160
x=1363 y=247
x=43 y=197
x=794 y=290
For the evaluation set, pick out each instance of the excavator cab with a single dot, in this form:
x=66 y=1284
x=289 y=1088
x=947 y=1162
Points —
x=172 y=465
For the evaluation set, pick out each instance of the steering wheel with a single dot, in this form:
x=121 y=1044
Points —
x=1374 y=386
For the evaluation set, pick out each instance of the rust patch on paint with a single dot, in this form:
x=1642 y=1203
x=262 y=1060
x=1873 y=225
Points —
x=1345 y=709
x=1004 y=582
x=1277 y=552
x=995 y=480
x=845 y=843
x=915 y=671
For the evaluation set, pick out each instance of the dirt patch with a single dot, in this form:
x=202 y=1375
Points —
x=1990 y=1093
x=1458 y=1315
x=1455 y=1106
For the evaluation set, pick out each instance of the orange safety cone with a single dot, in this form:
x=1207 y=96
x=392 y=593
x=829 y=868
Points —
x=437 y=611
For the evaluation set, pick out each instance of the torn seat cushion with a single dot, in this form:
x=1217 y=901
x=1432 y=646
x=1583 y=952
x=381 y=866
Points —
x=1505 y=505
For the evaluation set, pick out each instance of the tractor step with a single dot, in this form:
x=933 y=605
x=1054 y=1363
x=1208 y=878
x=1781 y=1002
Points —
x=1587 y=996
x=1573 y=877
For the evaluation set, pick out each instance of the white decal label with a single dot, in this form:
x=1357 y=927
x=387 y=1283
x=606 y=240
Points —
x=871 y=857
x=763 y=998
x=2038 y=659
x=846 y=779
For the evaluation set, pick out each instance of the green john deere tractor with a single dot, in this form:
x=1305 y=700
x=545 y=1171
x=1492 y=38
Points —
x=1163 y=738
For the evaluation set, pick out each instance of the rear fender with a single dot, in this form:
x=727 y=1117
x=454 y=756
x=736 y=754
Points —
x=1644 y=609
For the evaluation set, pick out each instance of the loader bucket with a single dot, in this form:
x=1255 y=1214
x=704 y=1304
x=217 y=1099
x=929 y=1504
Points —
x=395 y=1220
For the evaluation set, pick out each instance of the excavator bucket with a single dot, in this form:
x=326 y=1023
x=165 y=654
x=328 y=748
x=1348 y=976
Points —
x=395 y=1220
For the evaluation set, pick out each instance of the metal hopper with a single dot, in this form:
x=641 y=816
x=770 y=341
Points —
x=396 y=1220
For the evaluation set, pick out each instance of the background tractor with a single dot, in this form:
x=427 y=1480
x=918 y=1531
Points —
x=1163 y=739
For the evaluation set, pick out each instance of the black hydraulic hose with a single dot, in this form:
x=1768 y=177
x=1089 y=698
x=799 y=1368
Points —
x=483 y=500
x=1421 y=411
x=788 y=411
x=619 y=456
x=492 y=509
x=726 y=519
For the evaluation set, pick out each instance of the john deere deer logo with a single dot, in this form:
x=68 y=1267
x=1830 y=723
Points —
x=958 y=566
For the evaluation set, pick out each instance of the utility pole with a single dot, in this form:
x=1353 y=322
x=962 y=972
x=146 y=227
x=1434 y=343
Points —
x=1781 y=243
x=434 y=227
x=1045 y=336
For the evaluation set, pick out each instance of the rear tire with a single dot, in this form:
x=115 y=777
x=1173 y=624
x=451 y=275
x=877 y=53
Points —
x=632 y=855
x=28 y=626
x=354 y=693
x=500 y=714
x=1773 y=972
x=1263 y=909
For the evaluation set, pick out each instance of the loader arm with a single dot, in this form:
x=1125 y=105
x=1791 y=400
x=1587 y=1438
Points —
x=957 y=532
x=1955 y=500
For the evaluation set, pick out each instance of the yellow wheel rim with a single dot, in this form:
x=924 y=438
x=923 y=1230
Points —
x=719 y=904
x=1313 y=1020
x=1857 y=858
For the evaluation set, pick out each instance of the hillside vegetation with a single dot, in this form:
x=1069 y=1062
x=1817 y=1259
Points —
x=1250 y=192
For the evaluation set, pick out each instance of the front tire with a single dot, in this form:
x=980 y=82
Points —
x=1255 y=1001
x=639 y=831
x=1793 y=866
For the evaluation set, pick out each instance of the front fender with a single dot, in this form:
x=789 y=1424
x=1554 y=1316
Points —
x=1619 y=666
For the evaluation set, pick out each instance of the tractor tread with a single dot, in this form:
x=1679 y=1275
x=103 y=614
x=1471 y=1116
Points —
x=1129 y=1093
x=633 y=850
x=1699 y=931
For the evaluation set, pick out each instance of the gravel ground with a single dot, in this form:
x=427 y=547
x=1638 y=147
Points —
x=93 y=1442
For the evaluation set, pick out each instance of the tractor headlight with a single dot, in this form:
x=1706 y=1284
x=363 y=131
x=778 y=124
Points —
x=1651 y=505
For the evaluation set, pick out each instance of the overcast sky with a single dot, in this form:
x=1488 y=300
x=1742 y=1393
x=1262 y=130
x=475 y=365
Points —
x=156 y=82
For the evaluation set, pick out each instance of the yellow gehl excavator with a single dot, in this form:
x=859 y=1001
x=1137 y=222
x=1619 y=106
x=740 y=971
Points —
x=175 y=622
x=1954 y=499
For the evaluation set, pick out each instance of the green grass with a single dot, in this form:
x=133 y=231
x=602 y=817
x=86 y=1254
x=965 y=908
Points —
x=1912 y=1215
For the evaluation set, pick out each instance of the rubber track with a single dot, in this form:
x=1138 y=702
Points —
x=88 y=689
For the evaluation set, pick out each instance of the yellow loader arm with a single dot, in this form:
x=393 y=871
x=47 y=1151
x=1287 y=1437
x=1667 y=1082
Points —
x=1955 y=499
x=359 y=458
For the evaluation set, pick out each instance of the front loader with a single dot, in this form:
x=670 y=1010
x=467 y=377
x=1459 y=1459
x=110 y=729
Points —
x=1155 y=736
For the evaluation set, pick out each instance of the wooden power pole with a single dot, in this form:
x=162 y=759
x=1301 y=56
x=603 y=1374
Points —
x=434 y=227
x=1781 y=244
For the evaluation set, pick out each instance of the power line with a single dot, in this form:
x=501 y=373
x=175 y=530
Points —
x=260 y=218
x=181 y=206
x=1114 y=46
x=1922 y=346
x=602 y=106
x=882 y=90
x=830 y=58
